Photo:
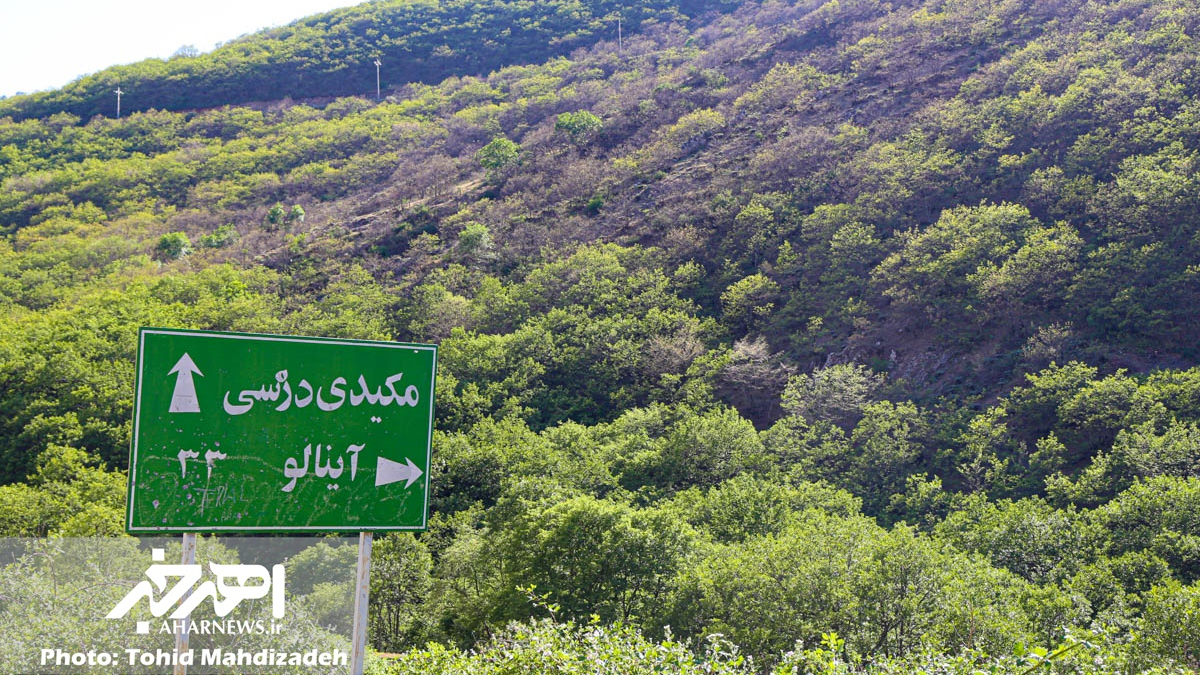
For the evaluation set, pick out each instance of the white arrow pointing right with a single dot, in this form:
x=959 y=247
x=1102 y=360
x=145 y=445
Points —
x=387 y=471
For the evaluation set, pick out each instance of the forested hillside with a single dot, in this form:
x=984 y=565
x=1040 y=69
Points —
x=861 y=334
x=334 y=54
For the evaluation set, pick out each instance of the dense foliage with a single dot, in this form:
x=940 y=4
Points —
x=58 y=589
x=333 y=54
x=859 y=333
x=548 y=647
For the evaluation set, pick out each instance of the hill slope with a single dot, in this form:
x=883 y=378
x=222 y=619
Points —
x=332 y=54
x=739 y=294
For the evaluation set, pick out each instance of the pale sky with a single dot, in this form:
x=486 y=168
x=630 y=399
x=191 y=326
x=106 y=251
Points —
x=44 y=44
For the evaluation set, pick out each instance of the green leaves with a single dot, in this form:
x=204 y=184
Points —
x=882 y=591
x=579 y=125
x=1172 y=623
x=172 y=246
x=329 y=55
x=615 y=247
x=498 y=155
x=566 y=648
x=595 y=556
x=933 y=272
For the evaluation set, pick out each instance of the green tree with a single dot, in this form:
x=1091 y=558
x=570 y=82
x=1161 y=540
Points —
x=1028 y=537
x=933 y=271
x=69 y=494
x=1171 y=623
x=475 y=242
x=889 y=442
x=400 y=580
x=172 y=246
x=295 y=214
x=886 y=592
x=275 y=216
x=224 y=235
x=498 y=156
x=747 y=302
x=320 y=563
x=699 y=450
x=837 y=394
x=1159 y=516
x=591 y=556
x=755 y=224
x=748 y=506
x=579 y=125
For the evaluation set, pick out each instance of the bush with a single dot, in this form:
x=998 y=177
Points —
x=172 y=246
x=549 y=648
x=222 y=237
x=578 y=125
x=498 y=155
x=1171 y=622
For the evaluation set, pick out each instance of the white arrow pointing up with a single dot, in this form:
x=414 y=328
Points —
x=387 y=471
x=184 y=399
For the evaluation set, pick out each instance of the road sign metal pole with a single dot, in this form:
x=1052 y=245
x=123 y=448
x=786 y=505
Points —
x=181 y=627
x=362 y=588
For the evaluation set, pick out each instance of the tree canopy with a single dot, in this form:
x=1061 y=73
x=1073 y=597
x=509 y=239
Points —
x=861 y=334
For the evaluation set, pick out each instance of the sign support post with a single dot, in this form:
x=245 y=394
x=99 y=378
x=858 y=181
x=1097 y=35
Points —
x=362 y=590
x=181 y=627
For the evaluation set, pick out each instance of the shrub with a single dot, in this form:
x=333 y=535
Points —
x=172 y=246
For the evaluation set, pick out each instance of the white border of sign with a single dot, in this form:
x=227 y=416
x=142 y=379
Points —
x=137 y=418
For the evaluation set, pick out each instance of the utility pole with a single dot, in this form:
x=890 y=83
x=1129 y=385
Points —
x=620 y=41
x=118 y=92
x=377 y=64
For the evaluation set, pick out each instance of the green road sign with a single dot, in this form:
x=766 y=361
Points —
x=261 y=433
